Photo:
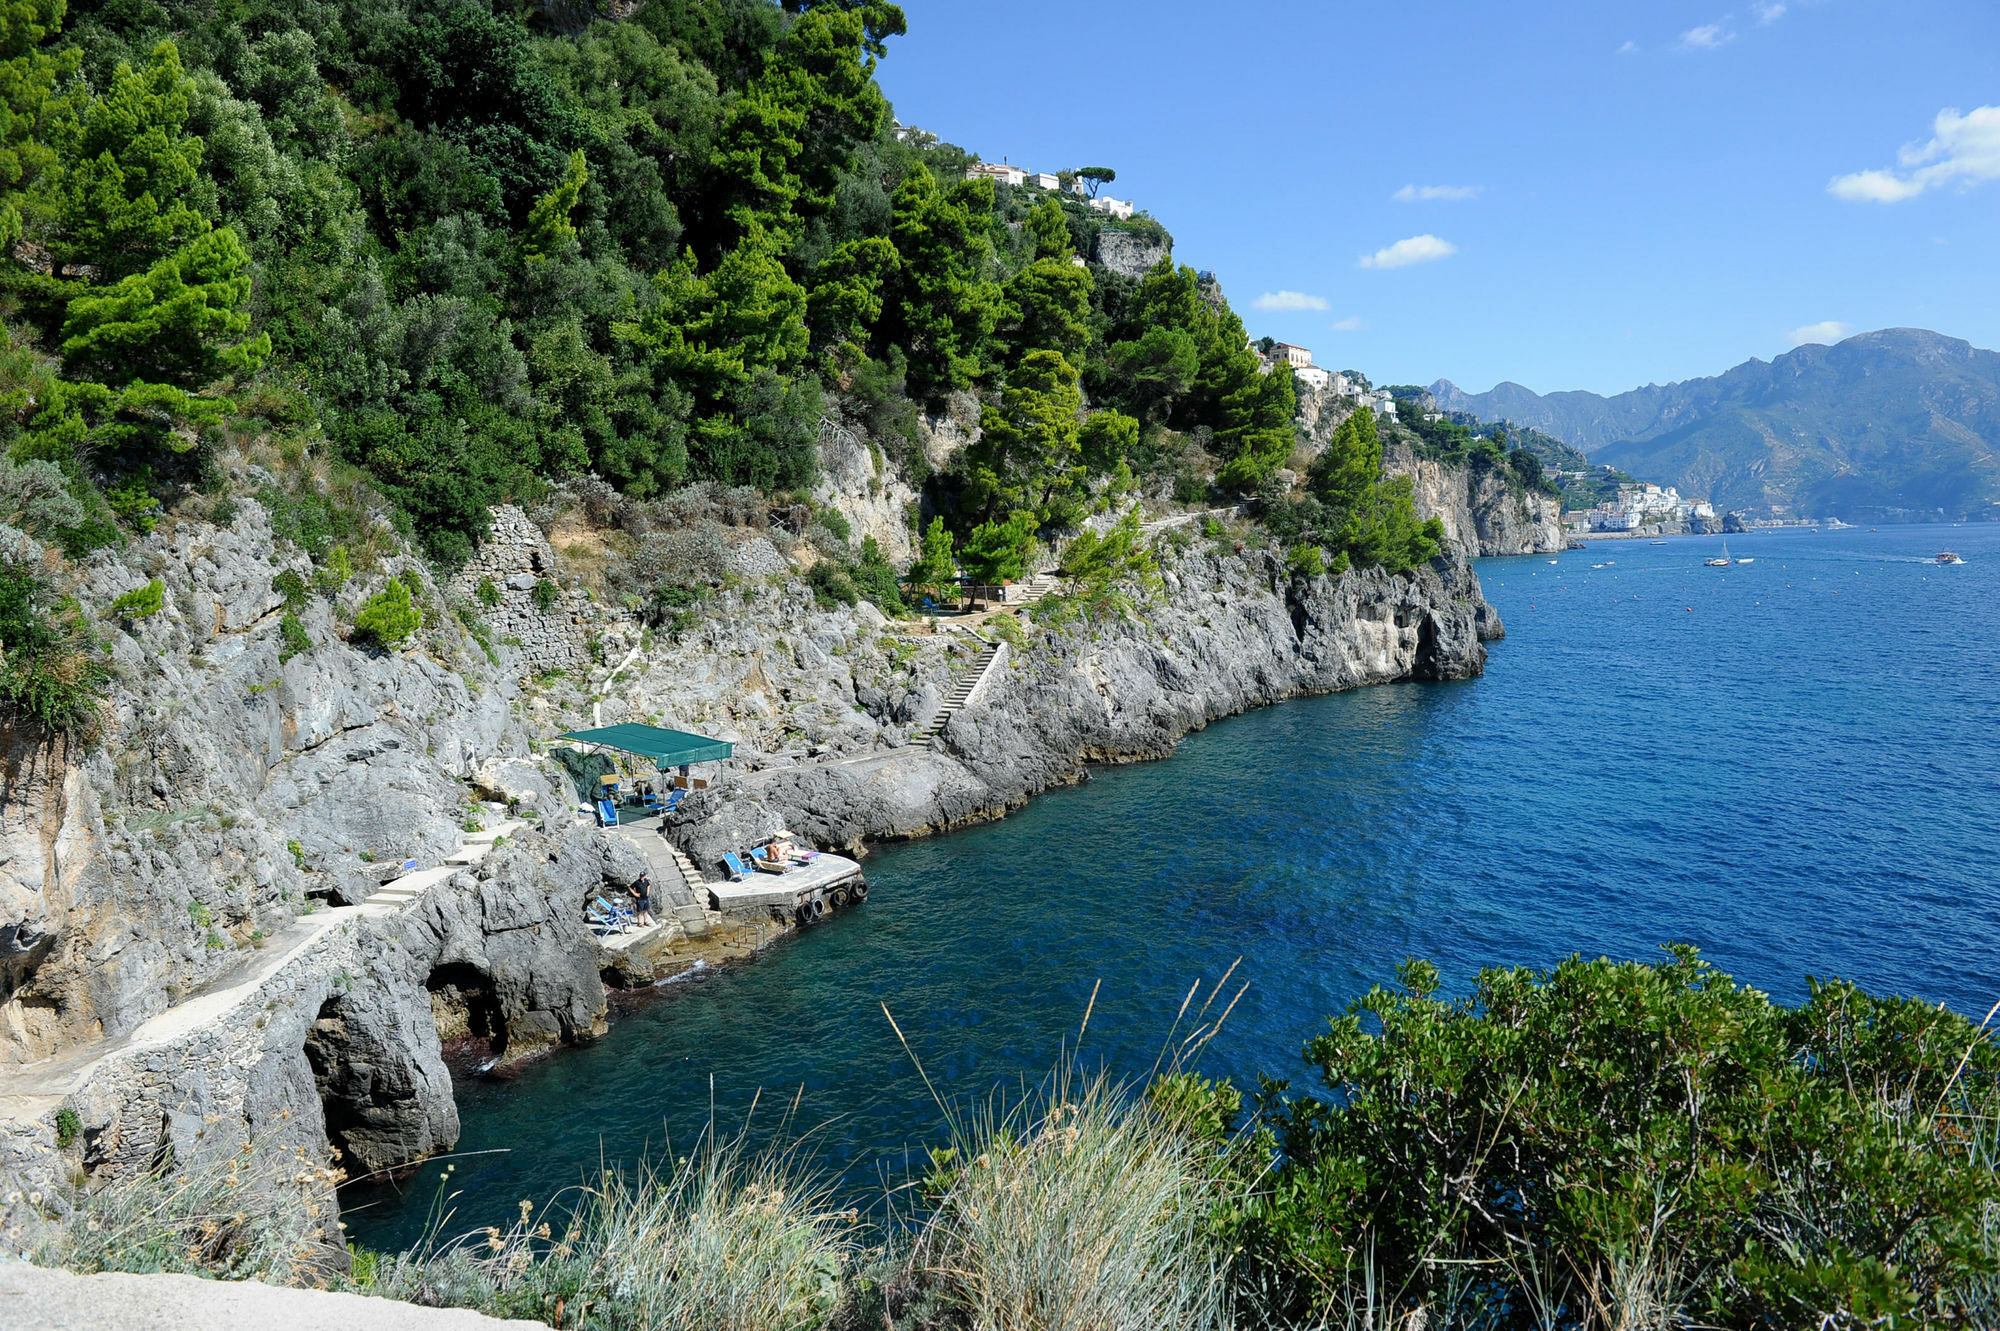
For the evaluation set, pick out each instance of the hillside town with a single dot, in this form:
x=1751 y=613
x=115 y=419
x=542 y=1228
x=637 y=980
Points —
x=1320 y=379
x=1001 y=173
x=1639 y=505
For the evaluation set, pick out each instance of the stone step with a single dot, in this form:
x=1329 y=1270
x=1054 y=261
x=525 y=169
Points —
x=488 y=836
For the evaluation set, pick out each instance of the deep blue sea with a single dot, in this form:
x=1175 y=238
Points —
x=1793 y=764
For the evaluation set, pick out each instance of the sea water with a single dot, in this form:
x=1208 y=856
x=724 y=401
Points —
x=1793 y=764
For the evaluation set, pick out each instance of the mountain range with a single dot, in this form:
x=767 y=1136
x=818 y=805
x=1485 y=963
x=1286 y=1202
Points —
x=1900 y=424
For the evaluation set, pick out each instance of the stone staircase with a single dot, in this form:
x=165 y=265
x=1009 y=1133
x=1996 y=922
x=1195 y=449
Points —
x=968 y=684
x=400 y=892
x=680 y=892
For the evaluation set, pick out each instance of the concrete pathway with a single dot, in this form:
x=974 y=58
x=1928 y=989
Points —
x=33 y=1299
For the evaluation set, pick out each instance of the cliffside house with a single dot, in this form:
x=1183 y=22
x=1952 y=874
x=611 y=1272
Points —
x=1295 y=356
x=998 y=172
x=1043 y=180
x=1313 y=376
x=1118 y=208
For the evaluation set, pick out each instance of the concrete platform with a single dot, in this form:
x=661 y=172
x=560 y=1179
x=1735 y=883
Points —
x=762 y=892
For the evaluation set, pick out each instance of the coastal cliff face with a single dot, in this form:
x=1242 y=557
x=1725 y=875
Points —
x=1482 y=515
x=1234 y=631
x=184 y=969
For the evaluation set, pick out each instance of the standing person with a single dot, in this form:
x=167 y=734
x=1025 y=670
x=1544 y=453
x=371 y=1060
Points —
x=642 y=900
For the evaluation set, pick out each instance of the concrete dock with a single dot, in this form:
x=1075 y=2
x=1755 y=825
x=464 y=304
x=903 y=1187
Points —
x=831 y=879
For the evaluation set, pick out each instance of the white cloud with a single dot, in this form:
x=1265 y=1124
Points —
x=1416 y=249
x=1828 y=331
x=1629 y=48
x=1768 y=11
x=1964 y=148
x=1353 y=323
x=1288 y=300
x=1430 y=193
x=1708 y=36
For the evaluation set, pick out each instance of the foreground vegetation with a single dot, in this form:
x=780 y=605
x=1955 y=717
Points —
x=1604 y=1144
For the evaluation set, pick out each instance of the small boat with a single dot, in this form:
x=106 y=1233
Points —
x=1751 y=560
x=1657 y=542
x=1721 y=561
x=1555 y=561
x=1947 y=557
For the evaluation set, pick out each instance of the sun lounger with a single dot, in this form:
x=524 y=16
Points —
x=735 y=867
x=773 y=866
x=607 y=813
x=609 y=916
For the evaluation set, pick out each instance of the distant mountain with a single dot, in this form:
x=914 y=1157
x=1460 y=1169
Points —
x=1898 y=424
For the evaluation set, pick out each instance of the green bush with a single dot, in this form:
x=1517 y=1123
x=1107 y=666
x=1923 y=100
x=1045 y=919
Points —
x=141 y=602
x=293 y=640
x=1306 y=561
x=388 y=618
x=1640 y=1136
x=836 y=522
x=68 y=1127
x=50 y=676
x=335 y=571
x=487 y=592
x=545 y=595
x=292 y=587
x=830 y=585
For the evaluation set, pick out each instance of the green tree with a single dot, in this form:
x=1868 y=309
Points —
x=389 y=617
x=944 y=309
x=996 y=552
x=1048 y=227
x=549 y=226
x=787 y=140
x=1047 y=308
x=1096 y=177
x=1103 y=576
x=29 y=77
x=1371 y=520
x=847 y=295
x=120 y=193
x=935 y=572
x=1029 y=455
x=180 y=323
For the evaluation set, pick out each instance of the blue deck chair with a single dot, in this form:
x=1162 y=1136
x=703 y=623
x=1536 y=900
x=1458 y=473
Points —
x=610 y=916
x=607 y=813
x=674 y=798
x=736 y=868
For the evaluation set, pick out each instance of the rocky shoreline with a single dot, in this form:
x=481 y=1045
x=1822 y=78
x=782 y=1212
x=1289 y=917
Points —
x=188 y=972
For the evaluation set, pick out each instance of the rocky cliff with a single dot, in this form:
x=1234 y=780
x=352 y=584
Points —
x=1484 y=512
x=185 y=969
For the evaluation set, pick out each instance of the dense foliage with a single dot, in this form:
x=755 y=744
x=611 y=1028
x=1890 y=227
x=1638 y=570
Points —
x=475 y=251
x=1638 y=1145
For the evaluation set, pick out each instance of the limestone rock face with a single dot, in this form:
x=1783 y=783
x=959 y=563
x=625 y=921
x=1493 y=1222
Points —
x=1129 y=253
x=873 y=497
x=1235 y=632
x=1481 y=514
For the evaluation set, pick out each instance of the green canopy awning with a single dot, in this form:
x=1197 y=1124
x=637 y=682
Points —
x=668 y=748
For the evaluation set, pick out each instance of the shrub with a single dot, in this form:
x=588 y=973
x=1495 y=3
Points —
x=334 y=572
x=830 y=585
x=68 y=1127
x=49 y=673
x=293 y=640
x=837 y=524
x=1626 y=1132
x=545 y=595
x=487 y=592
x=1306 y=561
x=141 y=602
x=35 y=497
x=388 y=618
x=875 y=580
x=292 y=587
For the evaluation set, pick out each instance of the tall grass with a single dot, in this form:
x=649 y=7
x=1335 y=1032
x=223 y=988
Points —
x=252 y=1215
x=723 y=1240
x=1079 y=1206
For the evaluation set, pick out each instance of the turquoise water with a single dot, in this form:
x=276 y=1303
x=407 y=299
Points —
x=1790 y=763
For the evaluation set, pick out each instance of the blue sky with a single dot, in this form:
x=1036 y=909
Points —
x=1631 y=193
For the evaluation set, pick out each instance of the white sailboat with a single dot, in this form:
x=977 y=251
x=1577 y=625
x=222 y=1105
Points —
x=1722 y=562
